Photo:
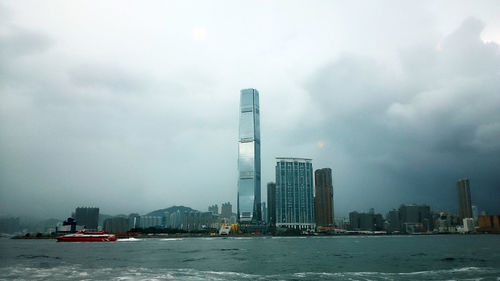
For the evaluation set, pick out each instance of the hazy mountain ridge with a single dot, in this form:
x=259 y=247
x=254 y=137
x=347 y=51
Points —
x=172 y=209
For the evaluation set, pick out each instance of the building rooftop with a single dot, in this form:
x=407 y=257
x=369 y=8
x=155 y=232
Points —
x=293 y=159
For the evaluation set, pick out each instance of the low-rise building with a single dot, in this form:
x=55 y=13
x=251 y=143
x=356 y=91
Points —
x=489 y=223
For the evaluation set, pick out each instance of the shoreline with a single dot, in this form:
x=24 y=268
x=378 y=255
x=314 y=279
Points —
x=208 y=235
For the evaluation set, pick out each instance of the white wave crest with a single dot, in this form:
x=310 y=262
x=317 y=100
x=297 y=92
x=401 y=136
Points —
x=172 y=239
x=131 y=239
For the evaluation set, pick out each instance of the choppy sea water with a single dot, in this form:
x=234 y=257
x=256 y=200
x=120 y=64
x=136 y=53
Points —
x=436 y=257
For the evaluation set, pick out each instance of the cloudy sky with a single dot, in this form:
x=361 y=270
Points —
x=133 y=106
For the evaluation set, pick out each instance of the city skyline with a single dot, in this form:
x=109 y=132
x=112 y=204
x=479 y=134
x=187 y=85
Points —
x=138 y=109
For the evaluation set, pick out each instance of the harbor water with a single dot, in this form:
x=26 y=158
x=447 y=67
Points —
x=419 y=257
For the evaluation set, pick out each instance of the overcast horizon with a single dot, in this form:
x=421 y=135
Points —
x=133 y=108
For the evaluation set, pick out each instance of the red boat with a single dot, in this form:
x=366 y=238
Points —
x=87 y=236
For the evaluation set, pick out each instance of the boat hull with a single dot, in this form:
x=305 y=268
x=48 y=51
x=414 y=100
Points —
x=86 y=239
x=85 y=236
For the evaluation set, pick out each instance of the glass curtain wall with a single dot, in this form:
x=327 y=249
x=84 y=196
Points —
x=249 y=209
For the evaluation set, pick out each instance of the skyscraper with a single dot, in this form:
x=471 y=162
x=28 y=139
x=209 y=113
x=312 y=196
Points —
x=214 y=209
x=271 y=203
x=415 y=218
x=226 y=210
x=88 y=217
x=249 y=209
x=464 y=202
x=264 y=211
x=323 y=198
x=294 y=193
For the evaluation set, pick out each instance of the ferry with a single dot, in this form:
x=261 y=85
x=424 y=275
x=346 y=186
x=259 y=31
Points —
x=87 y=236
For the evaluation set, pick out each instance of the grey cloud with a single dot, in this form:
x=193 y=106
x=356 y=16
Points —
x=456 y=105
x=464 y=53
x=21 y=42
x=446 y=112
x=95 y=128
x=105 y=76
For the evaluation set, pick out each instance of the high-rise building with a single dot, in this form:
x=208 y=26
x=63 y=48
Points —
x=226 y=210
x=249 y=209
x=214 y=209
x=294 y=193
x=323 y=197
x=394 y=221
x=176 y=220
x=88 y=217
x=133 y=220
x=118 y=224
x=415 y=218
x=264 y=212
x=464 y=202
x=366 y=221
x=150 y=221
x=271 y=203
x=475 y=212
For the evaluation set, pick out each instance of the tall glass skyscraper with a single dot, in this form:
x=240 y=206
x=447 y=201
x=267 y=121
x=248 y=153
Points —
x=464 y=201
x=249 y=208
x=294 y=193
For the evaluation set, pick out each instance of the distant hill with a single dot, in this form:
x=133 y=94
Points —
x=172 y=209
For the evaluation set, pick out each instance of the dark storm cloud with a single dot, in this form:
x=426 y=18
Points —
x=414 y=131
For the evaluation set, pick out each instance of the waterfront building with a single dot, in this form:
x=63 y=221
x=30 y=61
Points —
x=445 y=222
x=248 y=207
x=195 y=220
x=366 y=221
x=226 y=210
x=394 y=223
x=323 y=199
x=190 y=220
x=271 y=203
x=117 y=224
x=415 y=218
x=264 y=212
x=442 y=224
x=68 y=226
x=464 y=200
x=475 y=212
x=176 y=220
x=88 y=217
x=214 y=209
x=489 y=223
x=133 y=220
x=468 y=225
x=294 y=193
x=165 y=219
x=150 y=221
